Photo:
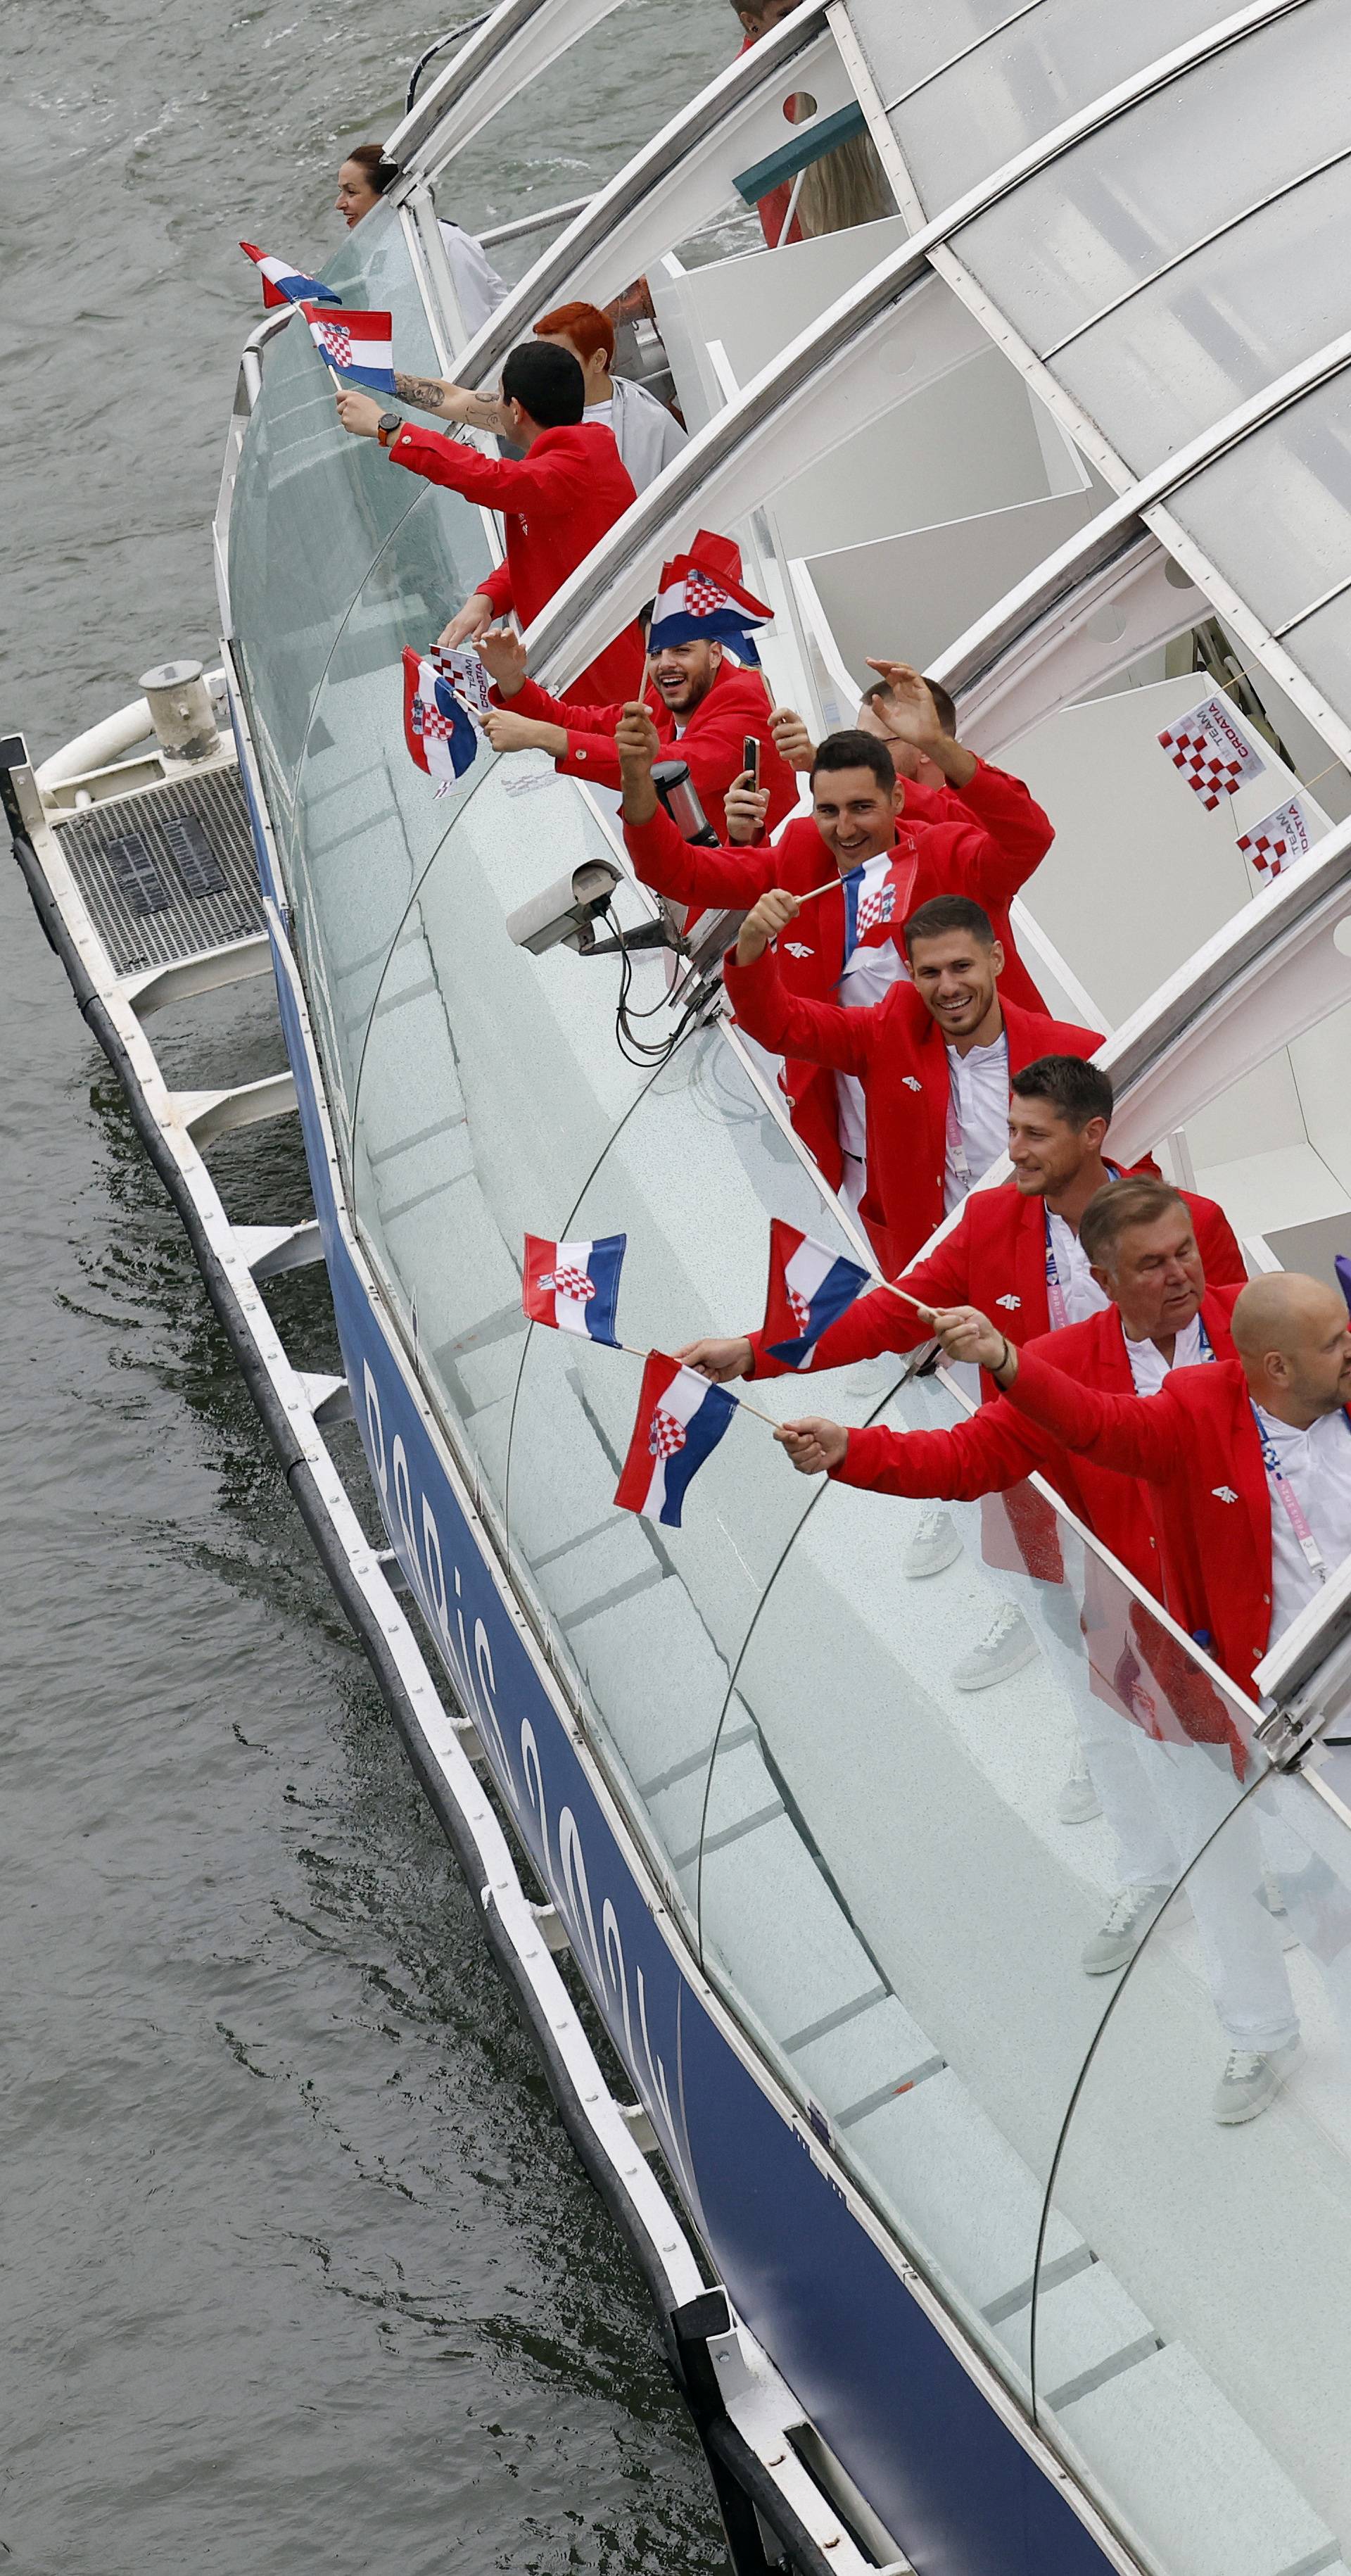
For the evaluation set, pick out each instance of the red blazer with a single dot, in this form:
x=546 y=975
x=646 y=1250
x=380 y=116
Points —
x=1001 y=805
x=711 y=742
x=994 y=1258
x=1136 y=1666
x=556 y=504
x=948 y=859
x=1196 y=1447
x=896 y=1050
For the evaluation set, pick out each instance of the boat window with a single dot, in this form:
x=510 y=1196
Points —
x=1274 y=514
x=1031 y=69
x=1194 y=2367
x=889 y=1889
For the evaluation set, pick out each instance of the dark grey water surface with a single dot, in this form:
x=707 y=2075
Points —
x=299 y=2272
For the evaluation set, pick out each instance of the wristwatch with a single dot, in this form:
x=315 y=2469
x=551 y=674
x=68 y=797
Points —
x=388 y=426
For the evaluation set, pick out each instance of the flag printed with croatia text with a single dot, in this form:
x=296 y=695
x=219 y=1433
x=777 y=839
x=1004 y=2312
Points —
x=696 y=606
x=1280 y=838
x=574 y=1286
x=810 y=1287
x=438 y=728
x=1211 y=751
x=359 y=346
x=681 y=1419
x=284 y=283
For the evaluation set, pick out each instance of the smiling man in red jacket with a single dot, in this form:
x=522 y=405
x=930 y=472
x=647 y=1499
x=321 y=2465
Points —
x=702 y=704
x=934 y=1059
x=557 y=500
x=1164 y=1753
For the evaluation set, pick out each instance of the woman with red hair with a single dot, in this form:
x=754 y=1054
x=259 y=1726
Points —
x=647 y=434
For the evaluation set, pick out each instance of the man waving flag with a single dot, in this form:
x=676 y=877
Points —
x=681 y=1419
x=284 y=283
x=810 y=1287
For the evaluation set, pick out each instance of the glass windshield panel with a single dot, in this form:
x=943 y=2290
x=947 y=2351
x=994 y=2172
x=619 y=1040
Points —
x=1027 y=80
x=653 y=1617
x=1274 y=516
x=1232 y=318
x=888 y=1880
x=1322 y=646
x=1107 y=215
x=1194 y=2370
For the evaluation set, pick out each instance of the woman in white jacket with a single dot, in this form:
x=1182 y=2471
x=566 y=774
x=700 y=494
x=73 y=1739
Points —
x=646 y=433
x=362 y=181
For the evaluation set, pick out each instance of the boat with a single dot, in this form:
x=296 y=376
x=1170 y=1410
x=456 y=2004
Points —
x=954 y=2266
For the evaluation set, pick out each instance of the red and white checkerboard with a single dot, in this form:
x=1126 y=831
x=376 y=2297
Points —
x=1280 y=838
x=428 y=720
x=1211 y=773
x=666 y=1436
x=568 y=1283
x=876 y=909
x=801 y=1310
x=703 y=598
x=336 y=342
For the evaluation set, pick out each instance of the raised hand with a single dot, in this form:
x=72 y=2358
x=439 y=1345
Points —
x=718 y=1360
x=745 y=807
x=794 y=743
x=772 y=914
x=909 y=708
x=638 y=744
x=502 y=651
x=814 y=1446
x=468 y=624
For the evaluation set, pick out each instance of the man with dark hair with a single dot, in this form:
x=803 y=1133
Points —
x=846 y=948
x=647 y=434
x=557 y=499
x=1165 y=1755
x=934 y=1058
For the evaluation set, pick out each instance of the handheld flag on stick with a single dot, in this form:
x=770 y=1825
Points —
x=1211 y=751
x=701 y=600
x=681 y=1419
x=574 y=1286
x=810 y=1287
x=284 y=283
x=439 y=730
x=359 y=346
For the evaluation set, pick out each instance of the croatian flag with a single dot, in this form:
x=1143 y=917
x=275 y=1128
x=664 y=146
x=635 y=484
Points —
x=876 y=899
x=681 y=1419
x=696 y=605
x=437 y=726
x=283 y=283
x=359 y=346
x=809 y=1287
x=574 y=1286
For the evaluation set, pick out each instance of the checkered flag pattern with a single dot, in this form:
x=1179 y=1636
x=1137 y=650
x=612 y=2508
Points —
x=569 y=1283
x=667 y=1436
x=1280 y=838
x=430 y=723
x=876 y=909
x=336 y=341
x=801 y=1310
x=1209 y=749
x=703 y=598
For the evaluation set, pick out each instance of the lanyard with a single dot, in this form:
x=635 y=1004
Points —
x=1280 y=1486
x=956 y=1145
x=1055 y=1294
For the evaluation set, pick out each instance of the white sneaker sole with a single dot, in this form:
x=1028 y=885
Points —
x=974 y=1676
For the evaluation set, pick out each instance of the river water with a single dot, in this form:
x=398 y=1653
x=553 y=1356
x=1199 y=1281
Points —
x=300 y=2273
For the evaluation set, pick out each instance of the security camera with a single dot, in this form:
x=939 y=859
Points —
x=563 y=914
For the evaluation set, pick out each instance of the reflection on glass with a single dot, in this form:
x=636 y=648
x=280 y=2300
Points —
x=925 y=1942
x=1193 y=2363
x=1274 y=515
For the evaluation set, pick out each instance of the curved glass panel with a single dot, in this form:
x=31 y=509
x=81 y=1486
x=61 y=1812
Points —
x=1194 y=2369
x=653 y=1618
x=1274 y=515
x=926 y=1946
x=1106 y=216
x=490 y=1086
x=1033 y=71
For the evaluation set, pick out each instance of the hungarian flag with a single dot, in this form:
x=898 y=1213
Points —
x=809 y=1287
x=701 y=600
x=359 y=346
x=681 y=1419
x=439 y=730
x=574 y=1286
x=283 y=283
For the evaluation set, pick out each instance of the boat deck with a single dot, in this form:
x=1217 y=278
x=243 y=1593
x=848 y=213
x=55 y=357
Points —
x=167 y=872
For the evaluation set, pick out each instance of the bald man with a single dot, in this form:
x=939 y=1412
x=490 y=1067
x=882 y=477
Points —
x=1248 y=1461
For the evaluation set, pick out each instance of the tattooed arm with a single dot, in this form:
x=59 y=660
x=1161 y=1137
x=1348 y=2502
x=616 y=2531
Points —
x=451 y=402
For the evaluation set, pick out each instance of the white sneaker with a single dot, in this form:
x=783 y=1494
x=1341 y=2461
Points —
x=1078 y=1802
x=1252 y=2079
x=1123 y=1928
x=936 y=1543
x=1006 y=1646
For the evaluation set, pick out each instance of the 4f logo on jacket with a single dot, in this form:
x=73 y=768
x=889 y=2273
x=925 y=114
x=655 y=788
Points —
x=1224 y=1493
x=796 y=949
x=912 y=1082
x=1012 y=1303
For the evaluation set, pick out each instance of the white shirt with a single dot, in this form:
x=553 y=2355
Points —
x=1318 y=1465
x=1149 y=1368
x=979 y=1089
x=1083 y=1297
x=478 y=288
x=646 y=433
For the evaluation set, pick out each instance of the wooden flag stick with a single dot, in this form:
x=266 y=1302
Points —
x=743 y=1401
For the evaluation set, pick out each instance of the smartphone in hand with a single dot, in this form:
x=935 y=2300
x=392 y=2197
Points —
x=750 y=757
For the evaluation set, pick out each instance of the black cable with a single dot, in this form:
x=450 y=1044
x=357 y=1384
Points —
x=456 y=36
